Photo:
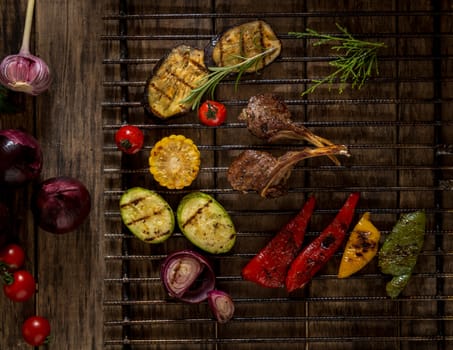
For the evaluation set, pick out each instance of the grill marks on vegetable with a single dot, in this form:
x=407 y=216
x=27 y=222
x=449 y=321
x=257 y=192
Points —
x=146 y=215
x=172 y=79
x=206 y=223
x=364 y=244
x=245 y=40
x=198 y=218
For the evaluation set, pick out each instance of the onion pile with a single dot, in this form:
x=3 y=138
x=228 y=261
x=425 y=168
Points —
x=61 y=204
x=20 y=157
x=189 y=276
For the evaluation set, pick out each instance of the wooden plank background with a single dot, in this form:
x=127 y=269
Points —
x=76 y=136
x=67 y=122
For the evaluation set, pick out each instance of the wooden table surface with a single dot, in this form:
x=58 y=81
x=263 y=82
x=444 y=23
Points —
x=67 y=122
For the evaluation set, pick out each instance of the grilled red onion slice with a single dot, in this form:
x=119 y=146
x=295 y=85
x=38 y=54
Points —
x=187 y=276
x=221 y=305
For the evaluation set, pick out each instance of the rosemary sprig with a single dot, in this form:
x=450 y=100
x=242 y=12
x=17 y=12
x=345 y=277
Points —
x=209 y=82
x=356 y=61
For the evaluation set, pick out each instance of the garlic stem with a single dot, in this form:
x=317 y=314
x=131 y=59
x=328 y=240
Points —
x=25 y=48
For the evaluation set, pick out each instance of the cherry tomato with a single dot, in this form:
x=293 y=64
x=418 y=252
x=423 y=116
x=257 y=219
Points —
x=129 y=139
x=20 y=285
x=36 y=330
x=12 y=256
x=212 y=113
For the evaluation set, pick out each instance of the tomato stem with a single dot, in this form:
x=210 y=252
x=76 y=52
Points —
x=6 y=277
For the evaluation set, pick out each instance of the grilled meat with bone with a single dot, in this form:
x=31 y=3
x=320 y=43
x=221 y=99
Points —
x=268 y=118
x=260 y=171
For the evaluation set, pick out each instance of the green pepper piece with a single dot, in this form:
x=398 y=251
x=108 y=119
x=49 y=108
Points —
x=400 y=250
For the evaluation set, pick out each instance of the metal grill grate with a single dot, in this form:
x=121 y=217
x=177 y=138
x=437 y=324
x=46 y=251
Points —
x=399 y=131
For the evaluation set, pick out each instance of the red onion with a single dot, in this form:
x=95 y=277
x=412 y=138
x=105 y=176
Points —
x=187 y=276
x=20 y=157
x=25 y=72
x=61 y=204
x=221 y=305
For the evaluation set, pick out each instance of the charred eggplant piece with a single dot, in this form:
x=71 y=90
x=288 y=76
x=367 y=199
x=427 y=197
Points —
x=245 y=40
x=260 y=171
x=172 y=80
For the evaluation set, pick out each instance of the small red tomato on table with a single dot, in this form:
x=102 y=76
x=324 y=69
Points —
x=12 y=257
x=36 y=330
x=129 y=139
x=19 y=285
x=212 y=113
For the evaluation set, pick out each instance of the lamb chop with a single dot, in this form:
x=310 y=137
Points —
x=260 y=171
x=269 y=118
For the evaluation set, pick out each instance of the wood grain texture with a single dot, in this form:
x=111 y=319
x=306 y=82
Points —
x=87 y=312
x=67 y=122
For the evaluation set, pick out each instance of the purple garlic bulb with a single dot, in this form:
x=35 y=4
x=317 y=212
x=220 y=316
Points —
x=25 y=73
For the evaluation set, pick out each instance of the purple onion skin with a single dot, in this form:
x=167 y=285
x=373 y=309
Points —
x=204 y=281
x=20 y=157
x=61 y=204
x=221 y=305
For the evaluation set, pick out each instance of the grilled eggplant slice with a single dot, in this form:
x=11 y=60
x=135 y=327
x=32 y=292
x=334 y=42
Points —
x=245 y=40
x=172 y=80
x=147 y=215
x=206 y=223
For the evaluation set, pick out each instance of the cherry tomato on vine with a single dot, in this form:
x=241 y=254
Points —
x=129 y=139
x=12 y=256
x=19 y=285
x=36 y=330
x=212 y=113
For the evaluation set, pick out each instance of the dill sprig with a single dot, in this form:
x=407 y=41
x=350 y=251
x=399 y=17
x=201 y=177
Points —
x=356 y=61
x=208 y=83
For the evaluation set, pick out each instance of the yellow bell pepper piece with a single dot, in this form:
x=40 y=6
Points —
x=361 y=247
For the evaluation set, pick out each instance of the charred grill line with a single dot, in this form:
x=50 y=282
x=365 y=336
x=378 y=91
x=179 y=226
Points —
x=125 y=323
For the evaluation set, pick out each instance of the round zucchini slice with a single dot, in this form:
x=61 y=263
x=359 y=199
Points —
x=147 y=215
x=206 y=223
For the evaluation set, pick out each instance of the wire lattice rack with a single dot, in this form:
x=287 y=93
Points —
x=398 y=128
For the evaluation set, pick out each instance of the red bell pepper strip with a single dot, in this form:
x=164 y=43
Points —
x=315 y=255
x=269 y=267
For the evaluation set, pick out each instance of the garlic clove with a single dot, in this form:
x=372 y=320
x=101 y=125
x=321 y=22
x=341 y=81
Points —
x=26 y=73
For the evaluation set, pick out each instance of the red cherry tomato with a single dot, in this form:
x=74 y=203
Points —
x=129 y=139
x=36 y=330
x=20 y=285
x=212 y=113
x=12 y=256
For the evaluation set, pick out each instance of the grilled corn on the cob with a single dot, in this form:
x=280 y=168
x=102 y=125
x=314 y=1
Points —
x=174 y=161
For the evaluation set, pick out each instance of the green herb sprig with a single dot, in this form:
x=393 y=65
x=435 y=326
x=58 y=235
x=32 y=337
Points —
x=209 y=82
x=356 y=61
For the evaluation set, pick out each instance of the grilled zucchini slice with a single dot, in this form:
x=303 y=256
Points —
x=245 y=40
x=174 y=161
x=172 y=80
x=147 y=215
x=206 y=223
